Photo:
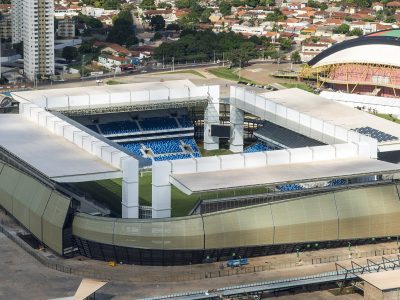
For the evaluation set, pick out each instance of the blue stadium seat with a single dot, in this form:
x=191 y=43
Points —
x=133 y=147
x=289 y=187
x=257 y=147
x=336 y=182
x=119 y=127
x=158 y=123
x=172 y=156
x=185 y=121
x=164 y=146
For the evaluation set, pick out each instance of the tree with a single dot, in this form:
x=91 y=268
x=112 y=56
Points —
x=182 y=4
x=147 y=4
x=173 y=26
x=225 y=8
x=342 y=29
x=122 y=32
x=157 y=23
x=295 y=57
x=157 y=36
x=356 y=32
x=70 y=53
x=285 y=44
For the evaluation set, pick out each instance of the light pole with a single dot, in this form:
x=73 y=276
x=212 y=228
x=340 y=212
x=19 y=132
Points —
x=83 y=59
x=173 y=64
x=240 y=66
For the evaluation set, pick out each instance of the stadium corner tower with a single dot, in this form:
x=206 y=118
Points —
x=128 y=172
x=366 y=65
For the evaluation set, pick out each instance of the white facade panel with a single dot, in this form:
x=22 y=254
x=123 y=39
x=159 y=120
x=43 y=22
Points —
x=278 y=157
x=206 y=164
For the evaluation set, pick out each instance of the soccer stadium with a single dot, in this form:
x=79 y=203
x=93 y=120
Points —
x=365 y=65
x=172 y=173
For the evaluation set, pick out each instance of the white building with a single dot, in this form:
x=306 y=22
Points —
x=17 y=17
x=259 y=30
x=66 y=28
x=35 y=19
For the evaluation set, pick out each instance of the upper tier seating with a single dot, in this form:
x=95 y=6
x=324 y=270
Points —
x=119 y=127
x=185 y=122
x=158 y=123
x=257 y=147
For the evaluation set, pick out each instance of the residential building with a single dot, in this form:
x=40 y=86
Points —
x=66 y=29
x=17 y=20
x=6 y=26
x=33 y=23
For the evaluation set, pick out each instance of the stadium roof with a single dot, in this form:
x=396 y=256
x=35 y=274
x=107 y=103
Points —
x=386 y=280
x=331 y=111
x=98 y=95
x=377 y=48
x=50 y=154
x=280 y=174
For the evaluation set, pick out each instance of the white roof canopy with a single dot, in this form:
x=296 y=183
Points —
x=280 y=174
x=50 y=154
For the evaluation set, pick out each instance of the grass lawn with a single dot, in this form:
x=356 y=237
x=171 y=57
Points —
x=300 y=85
x=193 y=72
x=389 y=117
x=108 y=192
x=229 y=74
x=113 y=82
x=215 y=152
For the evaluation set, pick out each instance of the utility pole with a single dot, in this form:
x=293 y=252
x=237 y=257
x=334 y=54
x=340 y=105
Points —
x=223 y=59
x=173 y=64
x=240 y=66
x=214 y=56
x=83 y=59
x=163 y=65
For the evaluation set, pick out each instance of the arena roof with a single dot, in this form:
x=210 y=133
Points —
x=378 y=48
x=280 y=174
x=386 y=280
x=331 y=111
x=50 y=154
x=98 y=95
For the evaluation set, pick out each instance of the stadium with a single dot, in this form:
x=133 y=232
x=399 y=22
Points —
x=136 y=173
x=365 y=65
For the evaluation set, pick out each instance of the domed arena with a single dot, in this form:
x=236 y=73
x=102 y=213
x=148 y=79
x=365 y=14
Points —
x=366 y=65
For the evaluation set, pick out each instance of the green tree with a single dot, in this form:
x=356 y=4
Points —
x=356 y=32
x=173 y=26
x=285 y=44
x=295 y=57
x=70 y=53
x=182 y=4
x=225 y=8
x=157 y=23
x=342 y=29
x=147 y=4
x=122 y=31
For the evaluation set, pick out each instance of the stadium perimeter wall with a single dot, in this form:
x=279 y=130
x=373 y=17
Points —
x=329 y=219
x=39 y=208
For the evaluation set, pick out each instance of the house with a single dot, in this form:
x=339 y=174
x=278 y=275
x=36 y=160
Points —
x=111 y=62
x=112 y=48
x=310 y=50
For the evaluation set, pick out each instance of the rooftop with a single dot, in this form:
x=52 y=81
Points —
x=280 y=174
x=50 y=154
